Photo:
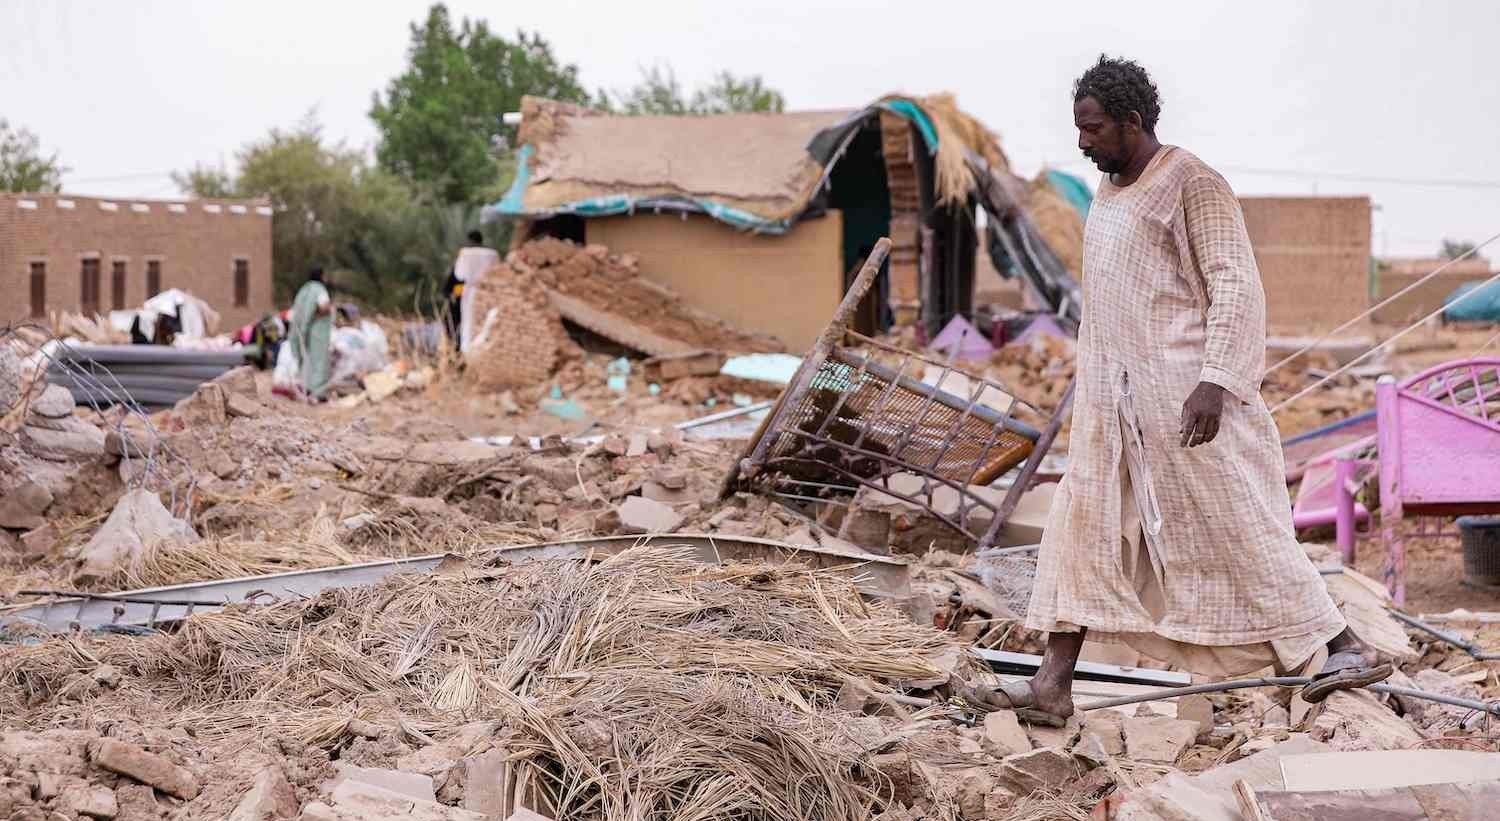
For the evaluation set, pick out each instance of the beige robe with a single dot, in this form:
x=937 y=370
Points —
x=469 y=268
x=1212 y=577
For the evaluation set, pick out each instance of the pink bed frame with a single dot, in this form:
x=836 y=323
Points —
x=1438 y=435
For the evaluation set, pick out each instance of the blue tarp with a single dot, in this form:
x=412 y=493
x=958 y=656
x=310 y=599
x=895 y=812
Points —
x=1480 y=307
x=1072 y=189
x=512 y=205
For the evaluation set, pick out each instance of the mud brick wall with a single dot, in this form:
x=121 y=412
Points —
x=787 y=286
x=1392 y=275
x=1314 y=260
x=525 y=342
x=195 y=244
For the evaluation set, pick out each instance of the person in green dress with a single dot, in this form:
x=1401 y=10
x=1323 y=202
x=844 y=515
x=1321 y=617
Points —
x=311 y=334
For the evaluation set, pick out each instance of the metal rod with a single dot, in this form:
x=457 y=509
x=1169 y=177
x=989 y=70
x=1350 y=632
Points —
x=830 y=486
x=800 y=497
x=1216 y=687
x=1038 y=452
x=720 y=417
x=1493 y=708
x=813 y=362
x=997 y=552
x=73 y=594
x=1285 y=681
x=1445 y=637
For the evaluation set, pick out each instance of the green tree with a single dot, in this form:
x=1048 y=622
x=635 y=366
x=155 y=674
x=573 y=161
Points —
x=657 y=93
x=1453 y=249
x=380 y=242
x=440 y=121
x=728 y=93
x=660 y=93
x=310 y=186
x=205 y=181
x=22 y=164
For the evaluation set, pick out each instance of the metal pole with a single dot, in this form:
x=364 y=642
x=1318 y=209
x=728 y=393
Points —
x=1043 y=444
x=813 y=362
x=1343 y=475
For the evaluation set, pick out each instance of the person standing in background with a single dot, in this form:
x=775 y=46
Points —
x=474 y=259
x=311 y=334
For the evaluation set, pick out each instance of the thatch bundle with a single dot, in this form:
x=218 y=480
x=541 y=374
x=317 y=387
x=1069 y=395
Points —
x=1060 y=223
x=957 y=131
x=644 y=686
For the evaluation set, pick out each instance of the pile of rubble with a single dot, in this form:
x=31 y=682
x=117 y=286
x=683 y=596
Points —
x=665 y=680
x=520 y=306
x=646 y=685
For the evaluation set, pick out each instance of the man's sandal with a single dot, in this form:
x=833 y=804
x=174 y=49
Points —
x=1344 y=670
x=1017 y=697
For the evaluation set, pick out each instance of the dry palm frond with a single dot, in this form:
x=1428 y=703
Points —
x=1040 y=806
x=413 y=648
x=459 y=689
x=642 y=686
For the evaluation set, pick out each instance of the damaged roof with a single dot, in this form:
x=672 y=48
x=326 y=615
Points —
x=754 y=171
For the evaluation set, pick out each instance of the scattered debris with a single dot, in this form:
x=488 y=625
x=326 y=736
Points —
x=138 y=523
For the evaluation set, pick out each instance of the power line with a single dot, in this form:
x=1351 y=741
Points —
x=1316 y=176
x=122 y=177
x=1335 y=175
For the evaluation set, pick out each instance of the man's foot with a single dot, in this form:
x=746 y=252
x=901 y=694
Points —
x=1346 y=669
x=1031 y=704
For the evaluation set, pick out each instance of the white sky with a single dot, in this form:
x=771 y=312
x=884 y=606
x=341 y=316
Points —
x=128 y=91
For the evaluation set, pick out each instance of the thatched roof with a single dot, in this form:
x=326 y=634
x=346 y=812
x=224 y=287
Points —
x=756 y=171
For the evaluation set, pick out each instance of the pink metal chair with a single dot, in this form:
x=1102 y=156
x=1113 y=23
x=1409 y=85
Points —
x=1438 y=435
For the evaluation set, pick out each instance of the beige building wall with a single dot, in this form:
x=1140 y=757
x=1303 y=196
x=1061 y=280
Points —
x=193 y=244
x=1314 y=260
x=1392 y=275
x=786 y=286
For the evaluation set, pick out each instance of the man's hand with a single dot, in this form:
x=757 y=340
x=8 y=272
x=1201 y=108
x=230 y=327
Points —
x=1200 y=414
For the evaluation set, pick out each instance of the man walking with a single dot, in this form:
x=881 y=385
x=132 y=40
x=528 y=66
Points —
x=1171 y=531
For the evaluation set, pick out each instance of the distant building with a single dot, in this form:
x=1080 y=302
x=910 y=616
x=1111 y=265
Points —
x=1395 y=273
x=84 y=254
x=1313 y=254
x=1314 y=259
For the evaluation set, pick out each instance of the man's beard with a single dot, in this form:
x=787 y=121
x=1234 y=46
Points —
x=1108 y=164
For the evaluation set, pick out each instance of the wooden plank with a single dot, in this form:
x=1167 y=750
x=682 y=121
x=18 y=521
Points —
x=1249 y=807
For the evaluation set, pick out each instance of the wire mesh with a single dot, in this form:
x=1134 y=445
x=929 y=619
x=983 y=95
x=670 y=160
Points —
x=147 y=462
x=867 y=419
x=1010 y=579
x=864 y=417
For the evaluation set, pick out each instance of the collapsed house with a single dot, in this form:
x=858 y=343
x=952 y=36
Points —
x=737 y=211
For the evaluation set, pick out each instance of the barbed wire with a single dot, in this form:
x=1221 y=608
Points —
x=159 y=465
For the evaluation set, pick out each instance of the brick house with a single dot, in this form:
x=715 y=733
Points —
x=1314 y=260
x=761 y=219
x=1392 y=274
x=59 y=253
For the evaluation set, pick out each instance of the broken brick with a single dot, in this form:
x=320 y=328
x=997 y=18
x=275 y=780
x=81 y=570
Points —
x=1004 y=735
x=1025 y=773
x=90 y=800
x=148 y=768
x=641 y=515
x=1157 y=739
x=270 y=796
x=412 y=785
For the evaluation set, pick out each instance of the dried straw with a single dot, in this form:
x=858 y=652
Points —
x=645 y=686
